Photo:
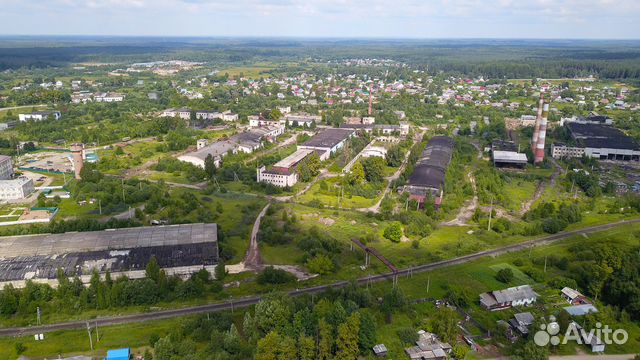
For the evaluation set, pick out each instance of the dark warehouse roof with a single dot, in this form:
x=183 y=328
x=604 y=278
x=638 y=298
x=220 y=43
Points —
x=328 y=138
x=601 y=136
x=430 y=169
x=39 y=256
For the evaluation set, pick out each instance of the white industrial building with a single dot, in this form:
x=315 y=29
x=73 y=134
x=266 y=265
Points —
x=16 y=188
x=108 y=97
x=6 y=167
x=284 y=172
x=39 y=115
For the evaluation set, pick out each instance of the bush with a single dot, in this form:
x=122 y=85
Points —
x=320 y=264
x=504 y=275
x=271 y=275
x=518 y=262
x=407 y=335
x=553 y=225
x=393 y=232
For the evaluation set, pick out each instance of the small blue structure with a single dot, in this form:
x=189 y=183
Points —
x=118 y=354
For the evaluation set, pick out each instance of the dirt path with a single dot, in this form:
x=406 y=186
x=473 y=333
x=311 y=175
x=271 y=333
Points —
x=469 y=207
x=526 y=206
x=390 y=179
x=253 y=260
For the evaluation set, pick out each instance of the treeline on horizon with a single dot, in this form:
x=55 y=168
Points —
x=504 y=59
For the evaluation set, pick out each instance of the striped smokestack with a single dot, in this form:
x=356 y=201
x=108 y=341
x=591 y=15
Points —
x=539 y=154
x=536 y=128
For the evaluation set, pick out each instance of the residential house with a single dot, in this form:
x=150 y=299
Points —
x=522 y=295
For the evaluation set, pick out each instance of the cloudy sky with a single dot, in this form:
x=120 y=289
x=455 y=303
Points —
x=601 y=19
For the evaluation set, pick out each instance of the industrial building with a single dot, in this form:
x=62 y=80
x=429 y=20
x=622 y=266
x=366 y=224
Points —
x=247 y=142
x=14 y=189
x=428 y=176
x=284 y=172
x=328 y=141
x=383 y=129
x=179 y=249
x=597 y=141
x=10 y=188
x=39 y=116
x=6 y=167
x=506 y=154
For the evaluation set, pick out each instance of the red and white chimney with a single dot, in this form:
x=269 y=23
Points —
x=536 y=128
x=539 y=154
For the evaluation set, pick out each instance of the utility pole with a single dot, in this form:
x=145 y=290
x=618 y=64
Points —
x=97 y=334
x=490 y=214
x=545 y=263
x=39 y=313
x=428 y=283
x=89 y=333
x=123 y=190
x=100 y=206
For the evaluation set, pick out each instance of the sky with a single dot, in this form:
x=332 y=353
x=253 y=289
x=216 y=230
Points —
x=538 y=19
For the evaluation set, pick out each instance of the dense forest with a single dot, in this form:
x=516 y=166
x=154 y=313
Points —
x=489 y=58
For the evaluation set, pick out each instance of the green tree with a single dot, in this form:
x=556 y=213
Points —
x=445 y=324
x=268 y=347
x=367 y=333
x=152 y=270
x=531 y=351
x=320 y=264
x=374 y=169
x=325 y=342
x=394 y=156
x=459 y=351
x=306 y=348
x=356 y=176
x=347 y=342
x=288 y=348
x=221 y=271
x=210 y=166
x=505 y=275
x=393 y=232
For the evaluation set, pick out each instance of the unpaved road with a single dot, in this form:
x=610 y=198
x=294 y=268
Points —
x=253 y=259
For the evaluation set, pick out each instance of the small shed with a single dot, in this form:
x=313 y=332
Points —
x=380 y=350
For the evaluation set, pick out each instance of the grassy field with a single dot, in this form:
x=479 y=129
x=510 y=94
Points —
x=250 y=71
x=347 y=201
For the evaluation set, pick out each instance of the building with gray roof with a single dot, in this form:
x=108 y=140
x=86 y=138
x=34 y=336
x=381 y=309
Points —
x=522 y=295
x=179 y=249
x=328 y=141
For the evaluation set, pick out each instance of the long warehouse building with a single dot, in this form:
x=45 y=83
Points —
x=179 y=249
x=428 y=176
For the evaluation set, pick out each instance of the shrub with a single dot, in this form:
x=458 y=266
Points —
x=393 y=232
x=504 y=275
x=271 y=275
x=407 y=335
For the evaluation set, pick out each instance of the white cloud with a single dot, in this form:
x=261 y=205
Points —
x=406 y=18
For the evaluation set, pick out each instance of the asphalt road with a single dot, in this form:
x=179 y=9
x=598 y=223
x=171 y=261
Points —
x=248 y=301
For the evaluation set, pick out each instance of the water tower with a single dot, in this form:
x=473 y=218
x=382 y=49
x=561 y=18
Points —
x=76 y=152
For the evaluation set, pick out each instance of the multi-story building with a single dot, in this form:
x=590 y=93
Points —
x=16 y=188
x=6 y=167
x=284 y=172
